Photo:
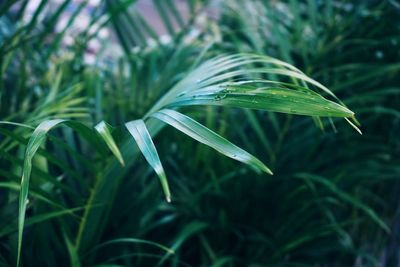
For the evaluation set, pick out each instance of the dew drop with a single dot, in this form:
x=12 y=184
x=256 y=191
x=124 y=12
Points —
x=219 y=97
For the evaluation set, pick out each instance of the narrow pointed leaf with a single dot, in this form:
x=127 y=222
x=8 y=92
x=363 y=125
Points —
x=104 y=130
x=143 y=139
x=132 y=241
x=204 y=135
x=346 y=197
x=41 y=218
x=273 y=99
x=186 y=233
x=35 y=141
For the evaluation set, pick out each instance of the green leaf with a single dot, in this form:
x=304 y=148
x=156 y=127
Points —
x=35 y=142
x=346 y=197
x=72 y=251
x=104 y=130
x=204 y=135
x=215 y=83
x=188 y=231
x=41 y=218
x=132 y=241
x=273 y=99
x=16 y=124
x=143 y=139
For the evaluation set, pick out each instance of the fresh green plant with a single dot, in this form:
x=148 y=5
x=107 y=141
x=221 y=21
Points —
x=90 y=200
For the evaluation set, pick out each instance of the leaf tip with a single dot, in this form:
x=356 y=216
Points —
x=267 y=170
x=354 y=126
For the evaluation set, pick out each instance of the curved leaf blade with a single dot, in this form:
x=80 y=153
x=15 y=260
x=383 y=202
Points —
x=104 y=130
x=346 y=197
x=232 y=67
x=139 y=132
x=133 y=241
x=191 y=229
x=36 y=140
x=273 y=99
x=206 y=136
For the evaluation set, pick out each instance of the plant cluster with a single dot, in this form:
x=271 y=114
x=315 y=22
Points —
x=96 y=167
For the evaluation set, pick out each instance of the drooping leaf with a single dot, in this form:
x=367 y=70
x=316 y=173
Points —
x=206 y=136
x=273 y=99
x=104 y=130
x=143 y=139
x=36 y=140
x=216 y=80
